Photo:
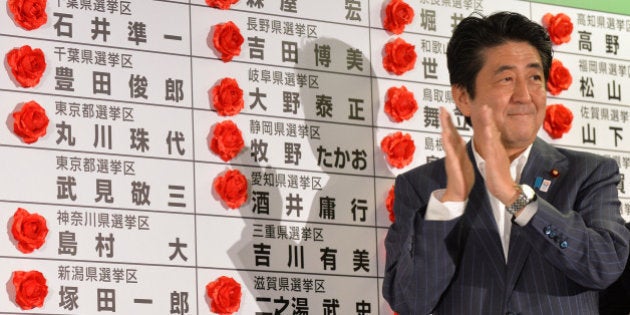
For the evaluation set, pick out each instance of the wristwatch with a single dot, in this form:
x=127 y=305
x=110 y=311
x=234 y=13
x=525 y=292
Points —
x=526 y=195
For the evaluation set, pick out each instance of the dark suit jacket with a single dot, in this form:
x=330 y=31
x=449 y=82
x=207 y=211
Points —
x=575 y=245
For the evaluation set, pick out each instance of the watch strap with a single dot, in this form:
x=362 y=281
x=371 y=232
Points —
x=521 y=201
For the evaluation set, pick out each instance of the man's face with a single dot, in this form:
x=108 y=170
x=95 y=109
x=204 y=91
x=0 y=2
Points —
x=512 y=83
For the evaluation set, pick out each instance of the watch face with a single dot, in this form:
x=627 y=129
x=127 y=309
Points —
x=529 y=192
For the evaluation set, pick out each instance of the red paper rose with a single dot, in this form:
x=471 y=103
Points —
x=30 y=122
x=232 y=188
x=29 y=230
x=400 y=56
x=29 y=14
x=30 y=289
x=221 y=4
x=558 y=120
x=400 y=104
x=397 y=15
x=399 y=149
x=225 y=295
x=559 y=27
x=389 y=204
x=227 y=140
x=560 y=78
x=27 y=65
x=227 y=97
x=227 y=40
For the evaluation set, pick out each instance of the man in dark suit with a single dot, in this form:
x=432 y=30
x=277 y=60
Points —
x=504 y=224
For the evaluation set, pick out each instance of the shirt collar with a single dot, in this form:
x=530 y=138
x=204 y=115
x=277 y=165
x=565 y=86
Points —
x=516 y=167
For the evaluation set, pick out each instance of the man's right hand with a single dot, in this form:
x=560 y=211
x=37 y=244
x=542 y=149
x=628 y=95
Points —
x=460 y=173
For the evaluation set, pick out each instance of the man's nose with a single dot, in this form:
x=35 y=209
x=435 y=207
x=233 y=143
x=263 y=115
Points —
x=521 y=93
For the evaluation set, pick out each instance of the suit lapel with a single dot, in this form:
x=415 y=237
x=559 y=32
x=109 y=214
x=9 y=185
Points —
x=543 y=159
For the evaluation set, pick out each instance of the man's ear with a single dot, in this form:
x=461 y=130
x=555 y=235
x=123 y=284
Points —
x=462 y=99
